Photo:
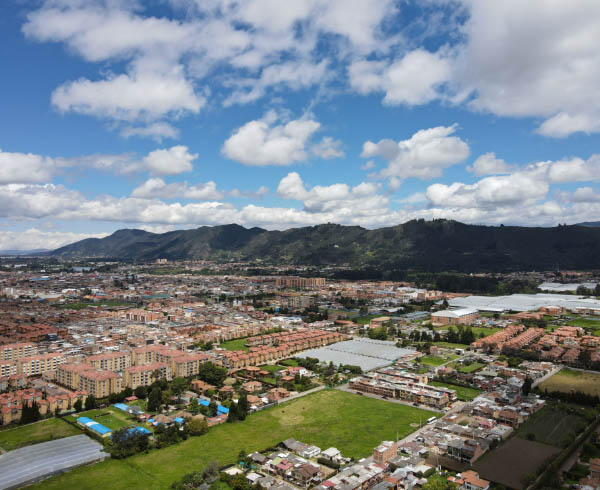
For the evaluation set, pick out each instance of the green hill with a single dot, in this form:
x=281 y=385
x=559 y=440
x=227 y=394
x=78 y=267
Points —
x=417 y=245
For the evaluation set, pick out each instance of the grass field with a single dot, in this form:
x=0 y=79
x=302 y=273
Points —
x=553 y=424
x=81 y=306
x=354 y=424
x=272 y=368
x=42 y=431
x=568 y=380
x=476 y=330
x=471 y=368
x=289 y=362
x=364 y=320
x=236 y=344
x=463 y=393
x=435 y=360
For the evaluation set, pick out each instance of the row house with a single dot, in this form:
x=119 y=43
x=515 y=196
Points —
x=11 y=404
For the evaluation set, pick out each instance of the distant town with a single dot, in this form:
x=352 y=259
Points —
x=289 y=380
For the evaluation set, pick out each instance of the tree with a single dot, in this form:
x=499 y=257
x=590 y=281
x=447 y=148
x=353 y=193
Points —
x=211 y=471
x=127 y=442
x=154 y=400
x=141 y=392
x=197 y=426
x=78 y=405
x=527 y=384
x=194 y=406
x=233 y=413
x=212 y=374
x=189 y=481
x=178 y=386
x=243 y=407
x=90 y=402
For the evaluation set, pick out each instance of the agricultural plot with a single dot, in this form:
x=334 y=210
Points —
x=555 y=424
x=569 y=380
x=512 y=462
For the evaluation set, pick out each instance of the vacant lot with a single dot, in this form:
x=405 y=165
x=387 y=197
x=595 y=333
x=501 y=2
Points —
x=510 y=463
x=568 y=380
x=463 y=393
x=237 y=344
x=352 y=423
x=434 y=360
x=555 y=424
x=42 y=431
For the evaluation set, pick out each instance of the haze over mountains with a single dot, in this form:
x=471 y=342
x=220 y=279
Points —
x=420 y=245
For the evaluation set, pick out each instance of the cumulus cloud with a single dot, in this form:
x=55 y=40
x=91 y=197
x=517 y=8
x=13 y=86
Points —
x=424 y=155
x=174 y=160
x=261 y=192
x=575 y=170
x=265 y=142
x=328 y=148
x=414 y=79
x=157 y=188
x=23 y=168
x=487 y=164
x=157 y=131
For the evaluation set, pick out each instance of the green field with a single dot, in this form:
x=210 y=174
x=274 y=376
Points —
x=584 y=322
x=568 y=380
x=435 y=360
x=462 y=392
x=364 y=320
x=471 y=368
x=352 y=423
x=553 y=424
x=476 y=330
x=272 y=368
x=42 y=431
x=236 y=344
x=83 y=305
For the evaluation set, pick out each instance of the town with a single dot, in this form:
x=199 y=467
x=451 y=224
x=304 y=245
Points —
x=107 y=362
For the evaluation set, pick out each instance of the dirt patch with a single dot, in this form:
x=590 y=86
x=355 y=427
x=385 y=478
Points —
x=510 y=463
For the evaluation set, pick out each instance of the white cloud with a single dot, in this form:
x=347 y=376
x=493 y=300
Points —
x=424 y=155
x=534 y=58
x=129 y=98
x=261 y=192
x=34 y=238
x=487 y=164
x=414 y=79
x=157 y=188
x=157 y=131
x=174 y=160
x=24 y=168
x=368 y=165
x=575 y=170
x=585 y=194
x=328 y=148
x=264 y=142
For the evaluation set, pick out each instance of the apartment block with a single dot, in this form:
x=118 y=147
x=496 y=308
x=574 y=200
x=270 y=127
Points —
x=142 y=375
x=40 y=364
x=100 y=383
x=14 y=352
x=111 y=361
x=7 y=368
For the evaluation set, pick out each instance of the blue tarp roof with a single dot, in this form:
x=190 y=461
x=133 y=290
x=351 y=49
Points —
x=179 y=420
x=121 y=406
x=203 y=402
x=139 y=429
x=93 y=425
x=222 y=409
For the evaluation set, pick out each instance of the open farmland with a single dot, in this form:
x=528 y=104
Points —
x=42 y=431
x=354 y=424
x=555 y=424
x=568 y=380
x=510 y=463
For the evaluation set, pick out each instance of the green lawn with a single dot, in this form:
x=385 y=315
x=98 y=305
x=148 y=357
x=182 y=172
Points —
x=83 y=305
x=290 y=363
x=352 y=423
x=568 y=380
x=236 y=344
x=364 y=320
x=476 y=330
x=463 y=393
x=434 y=360
x=584 y=322
x=272 y=368
x=42 y=431
x=471 y=368
x=450 y=345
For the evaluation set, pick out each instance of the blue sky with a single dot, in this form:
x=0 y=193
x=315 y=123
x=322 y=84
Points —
x=170 y=114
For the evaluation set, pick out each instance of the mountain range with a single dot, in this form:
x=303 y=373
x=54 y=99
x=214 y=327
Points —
x=438 y=245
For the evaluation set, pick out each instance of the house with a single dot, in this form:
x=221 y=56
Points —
x=306 y=472
x=332 y=454
x=385 y=451
x=472 y=481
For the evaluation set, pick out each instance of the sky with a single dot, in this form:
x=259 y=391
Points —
x=173 y=114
